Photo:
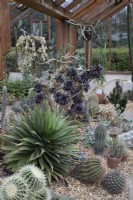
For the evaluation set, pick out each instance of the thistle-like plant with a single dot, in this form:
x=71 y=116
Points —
x=33 y=176
x=14 y=188
x=44 y=139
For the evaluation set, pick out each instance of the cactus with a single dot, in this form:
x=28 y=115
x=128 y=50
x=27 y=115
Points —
x=31 y=93
x=33 y=176
x=4 y=104
x=118 y=98
x=42 y=194
x=91 y=171
x=114 y=183
x=93 y=105
x=117 y=148
x=14 y=188
x=100 y=138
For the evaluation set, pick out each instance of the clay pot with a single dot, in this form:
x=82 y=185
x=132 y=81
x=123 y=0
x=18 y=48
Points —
x=113 y=162
x=124 y=158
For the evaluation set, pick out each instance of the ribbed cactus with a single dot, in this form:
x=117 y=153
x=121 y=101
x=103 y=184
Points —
x=114 y=183
x=100 y=139
x=31 y=93
x=42 y=194
x=33 y=176
x=4 y=104
x=117 y=148
x=14 y=188
x=93 y=105
x=91 y=171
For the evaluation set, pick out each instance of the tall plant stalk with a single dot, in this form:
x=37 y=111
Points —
x=130 y=38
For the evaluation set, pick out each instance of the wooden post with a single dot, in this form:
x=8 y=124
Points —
x=110 y=42
x=49 y=28
x=88 y=49
x=4 y=35
x=66 y=34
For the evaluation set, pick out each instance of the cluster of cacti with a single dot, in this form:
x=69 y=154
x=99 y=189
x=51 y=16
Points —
x=114 y=182
x=91 y=171
x=28 y=183
x=100 y=139
x=118 y=98
x=117 y=147
x=93 y=105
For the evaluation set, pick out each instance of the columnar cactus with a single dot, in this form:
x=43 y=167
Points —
x=31 y=93
x=114 y=183
x=42 y=194
x=14 y=188
x=91 y=171
x=4 y=104
x=33 y=176
x=100 y=138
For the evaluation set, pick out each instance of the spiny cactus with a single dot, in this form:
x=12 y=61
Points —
x=14 y=188
x=4 y=104
x=91 y=171
x=100 y=138
x=42 y=194
x=114 y=183
x=93 y=105
x=31 y=93
x=117 y=147
x=33 y=176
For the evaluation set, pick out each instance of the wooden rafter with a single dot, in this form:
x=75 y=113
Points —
x=59 y=2
x=13 y=6
x=15 y=15
x=110 y=11
x=47 y=7
x=73 y=4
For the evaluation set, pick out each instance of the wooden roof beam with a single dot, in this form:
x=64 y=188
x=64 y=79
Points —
x=113 y=9
x=59 y=2
x=47 y=7
x=13 y=6
x=86 y=11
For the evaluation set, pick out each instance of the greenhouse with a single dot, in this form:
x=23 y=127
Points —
x=66 y=100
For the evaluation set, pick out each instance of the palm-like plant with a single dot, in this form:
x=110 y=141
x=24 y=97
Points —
x=44 y=139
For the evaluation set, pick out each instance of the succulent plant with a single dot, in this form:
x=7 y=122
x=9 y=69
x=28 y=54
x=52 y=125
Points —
x=31 y=93
x=44 y=139
x=93 y=105
x=117 y=147
x=114 y=182
x=33 y=176
x=14 y=188
x=41 y=194
x=91 y=171
x=100 y=138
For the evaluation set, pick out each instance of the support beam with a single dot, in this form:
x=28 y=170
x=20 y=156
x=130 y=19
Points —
x=73 y=4
x=65 y=34
x=48 y=7
x=88 y=54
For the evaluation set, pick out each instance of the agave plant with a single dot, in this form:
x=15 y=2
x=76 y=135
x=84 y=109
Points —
x=44 y=139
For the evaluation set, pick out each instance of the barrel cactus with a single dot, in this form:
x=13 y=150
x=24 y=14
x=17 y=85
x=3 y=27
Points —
x=91 y=171
x=14 y=188
x=114 y=183
x=42 y=194
x=33 y=176
x=100 y=139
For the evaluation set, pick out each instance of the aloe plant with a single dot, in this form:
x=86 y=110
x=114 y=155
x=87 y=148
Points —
x=44 y=139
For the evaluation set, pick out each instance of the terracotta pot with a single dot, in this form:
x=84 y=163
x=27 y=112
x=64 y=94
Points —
x=113 y=162
x=124 y=158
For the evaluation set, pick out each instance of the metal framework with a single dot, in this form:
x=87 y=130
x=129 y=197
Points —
x=84 y=12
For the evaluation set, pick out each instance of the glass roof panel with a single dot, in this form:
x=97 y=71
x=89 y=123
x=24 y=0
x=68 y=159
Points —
x=66 y=3
x=79 y=5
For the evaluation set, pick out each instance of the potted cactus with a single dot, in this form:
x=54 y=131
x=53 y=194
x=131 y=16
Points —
x=116 y=151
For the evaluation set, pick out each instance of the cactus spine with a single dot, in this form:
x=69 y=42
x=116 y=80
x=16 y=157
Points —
x=14 y=188
x=33 y=176
x=91 y=171
x=100 y=137
x=42 y=194
x=4 y=104
x=114 y=183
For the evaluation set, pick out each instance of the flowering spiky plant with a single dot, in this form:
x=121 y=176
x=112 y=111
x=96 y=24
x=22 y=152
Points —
x=34 y=52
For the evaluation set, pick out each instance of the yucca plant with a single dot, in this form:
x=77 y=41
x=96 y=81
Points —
x=44 y=139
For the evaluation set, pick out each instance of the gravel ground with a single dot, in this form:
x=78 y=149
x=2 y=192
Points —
x=80 y=191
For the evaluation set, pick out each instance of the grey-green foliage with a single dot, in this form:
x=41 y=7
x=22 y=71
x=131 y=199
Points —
x=117 y=147
x=4 y=104
x=114 y=182
x=100 y=137
x=90 y=171
x=14 y=188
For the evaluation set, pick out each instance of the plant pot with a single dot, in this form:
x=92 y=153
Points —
x=113 y=162
x=124 y=158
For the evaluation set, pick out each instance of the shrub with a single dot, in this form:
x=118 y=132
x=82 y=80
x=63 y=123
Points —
x=43 y=139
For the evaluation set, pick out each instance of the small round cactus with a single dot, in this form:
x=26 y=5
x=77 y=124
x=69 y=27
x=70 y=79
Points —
x=114 y=182
x=33 y=176
x=14 y=188
x=42 y=194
